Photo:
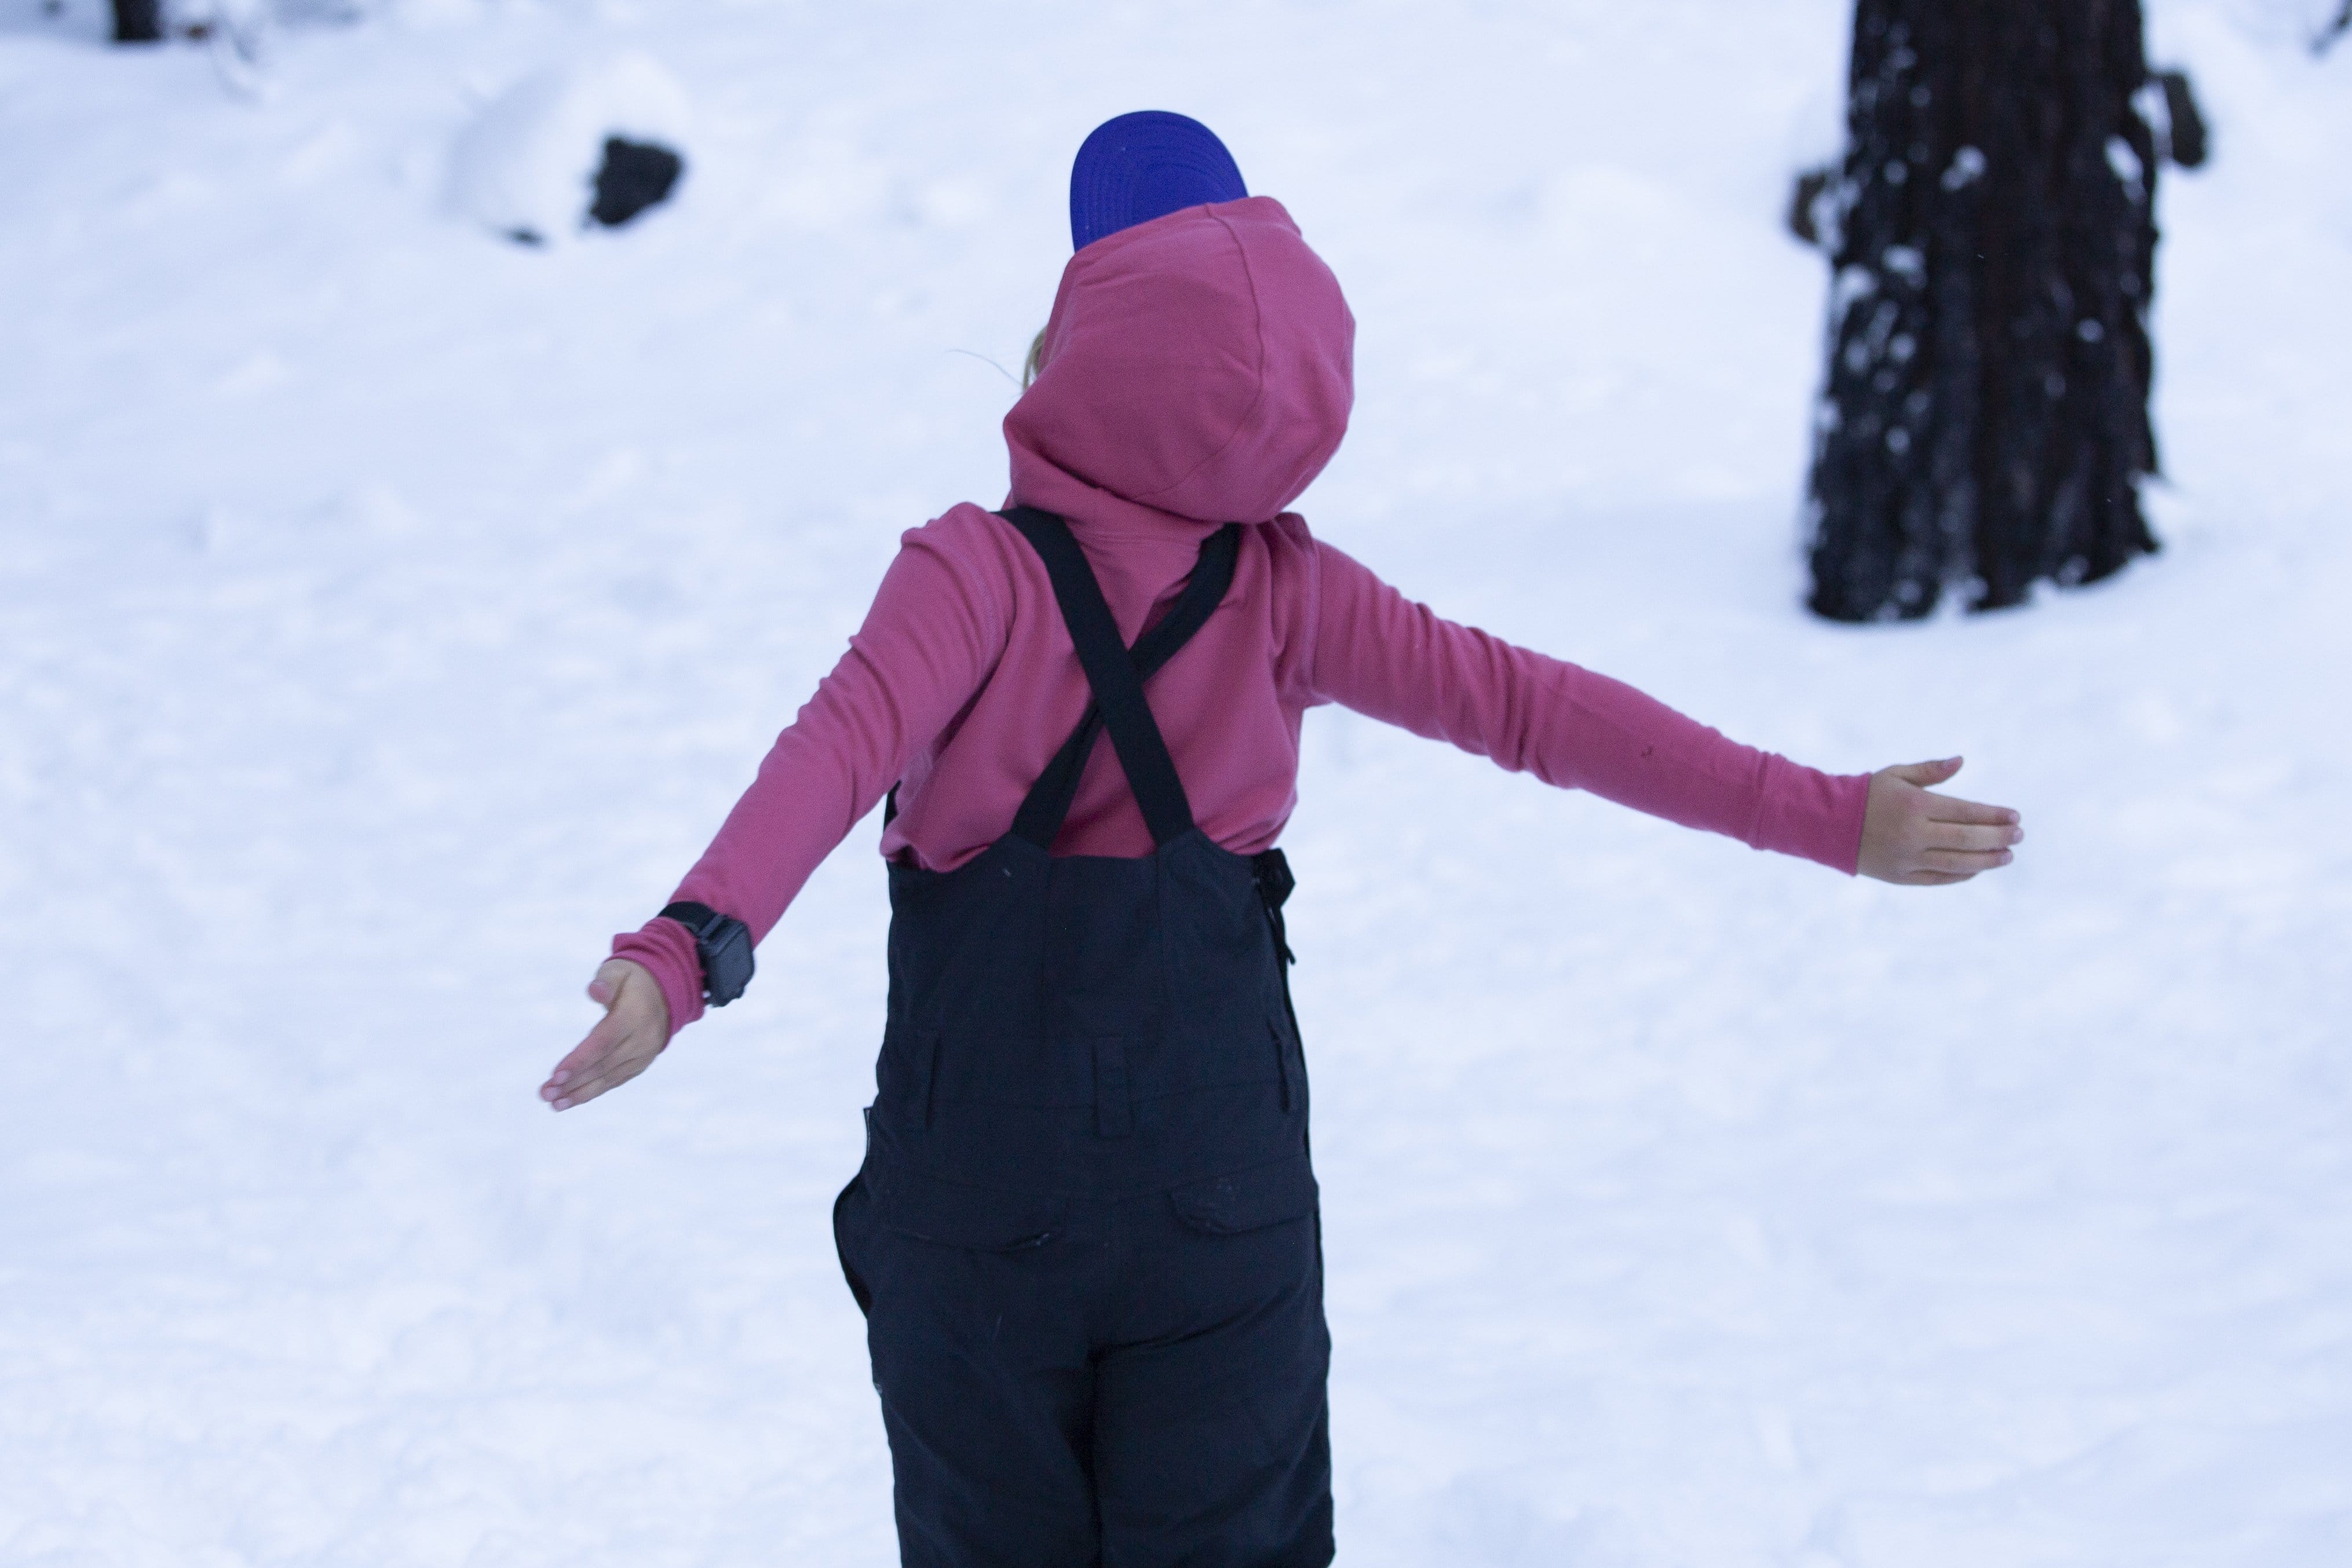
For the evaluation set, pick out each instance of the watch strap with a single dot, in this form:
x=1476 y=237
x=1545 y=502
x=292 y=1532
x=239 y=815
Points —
x=698 y=918
x=722 y=946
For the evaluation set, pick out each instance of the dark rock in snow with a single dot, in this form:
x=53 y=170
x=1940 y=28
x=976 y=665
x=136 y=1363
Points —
x=138 y=21
x=635 y=175
x=571 y=148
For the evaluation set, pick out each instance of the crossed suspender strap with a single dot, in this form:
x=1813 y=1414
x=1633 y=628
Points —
x=1116 y=674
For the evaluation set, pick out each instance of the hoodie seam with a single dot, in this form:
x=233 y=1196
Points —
x=1241 y=423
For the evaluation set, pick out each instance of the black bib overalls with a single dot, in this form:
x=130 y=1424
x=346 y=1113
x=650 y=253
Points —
x=1086 y=1234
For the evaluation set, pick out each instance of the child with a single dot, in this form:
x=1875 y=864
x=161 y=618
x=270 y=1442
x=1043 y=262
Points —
x=1085 y=1233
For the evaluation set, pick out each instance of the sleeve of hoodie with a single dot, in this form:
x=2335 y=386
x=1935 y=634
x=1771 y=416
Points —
x=1383 y=655
x=936 y=628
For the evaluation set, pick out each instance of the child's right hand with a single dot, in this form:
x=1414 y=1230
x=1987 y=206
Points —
x=1919 y=839
x=633 y=1031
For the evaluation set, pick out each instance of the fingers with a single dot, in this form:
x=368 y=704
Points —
x=610 y=1030
x=1939 y=834
x=1952 y=809
x=619 y=1054
x=632 y=1032
x=613 y=1071
x=1925 y=773
x=612 y=974
x=1965 y=862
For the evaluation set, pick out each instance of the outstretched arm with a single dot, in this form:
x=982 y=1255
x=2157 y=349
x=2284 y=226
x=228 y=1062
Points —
x=936 y=626
x=1381 y=654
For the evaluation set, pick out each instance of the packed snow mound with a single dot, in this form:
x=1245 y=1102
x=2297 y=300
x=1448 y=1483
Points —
x=529 y=165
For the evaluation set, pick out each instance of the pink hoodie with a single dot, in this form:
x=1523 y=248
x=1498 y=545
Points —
x=1197 y=370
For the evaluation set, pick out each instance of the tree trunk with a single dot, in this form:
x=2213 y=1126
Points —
x=1984 y=422
x=138 y=21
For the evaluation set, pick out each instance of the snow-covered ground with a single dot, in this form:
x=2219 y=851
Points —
x=388 y=612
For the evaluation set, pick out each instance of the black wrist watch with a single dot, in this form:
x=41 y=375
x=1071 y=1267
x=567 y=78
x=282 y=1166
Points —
x=723 y=943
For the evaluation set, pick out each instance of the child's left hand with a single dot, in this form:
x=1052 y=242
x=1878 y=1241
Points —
x=1919 y=839
x=633 y=1031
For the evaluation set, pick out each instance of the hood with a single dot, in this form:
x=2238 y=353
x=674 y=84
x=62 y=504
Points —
x=1200 y=366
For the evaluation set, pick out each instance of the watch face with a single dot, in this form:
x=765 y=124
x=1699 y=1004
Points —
x=727 y=961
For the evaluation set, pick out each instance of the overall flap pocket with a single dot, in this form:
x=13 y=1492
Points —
x=954 y=1214
x=1250 y=1199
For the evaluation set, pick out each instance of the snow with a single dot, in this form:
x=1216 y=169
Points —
x=391 y=612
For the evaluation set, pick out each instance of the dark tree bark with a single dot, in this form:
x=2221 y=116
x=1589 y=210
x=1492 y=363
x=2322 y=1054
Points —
x=2184 y=141
x=1984 y=422
x=138 y=21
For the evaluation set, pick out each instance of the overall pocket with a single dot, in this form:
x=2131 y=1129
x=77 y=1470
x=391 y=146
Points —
x=951 y=1214
x=1248 y=1199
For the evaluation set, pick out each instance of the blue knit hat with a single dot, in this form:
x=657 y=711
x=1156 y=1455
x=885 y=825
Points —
x=1143 y=166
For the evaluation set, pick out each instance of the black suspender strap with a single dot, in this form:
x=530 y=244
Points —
x=1048 y=803
x=1116 y=675
x=1040 y=818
